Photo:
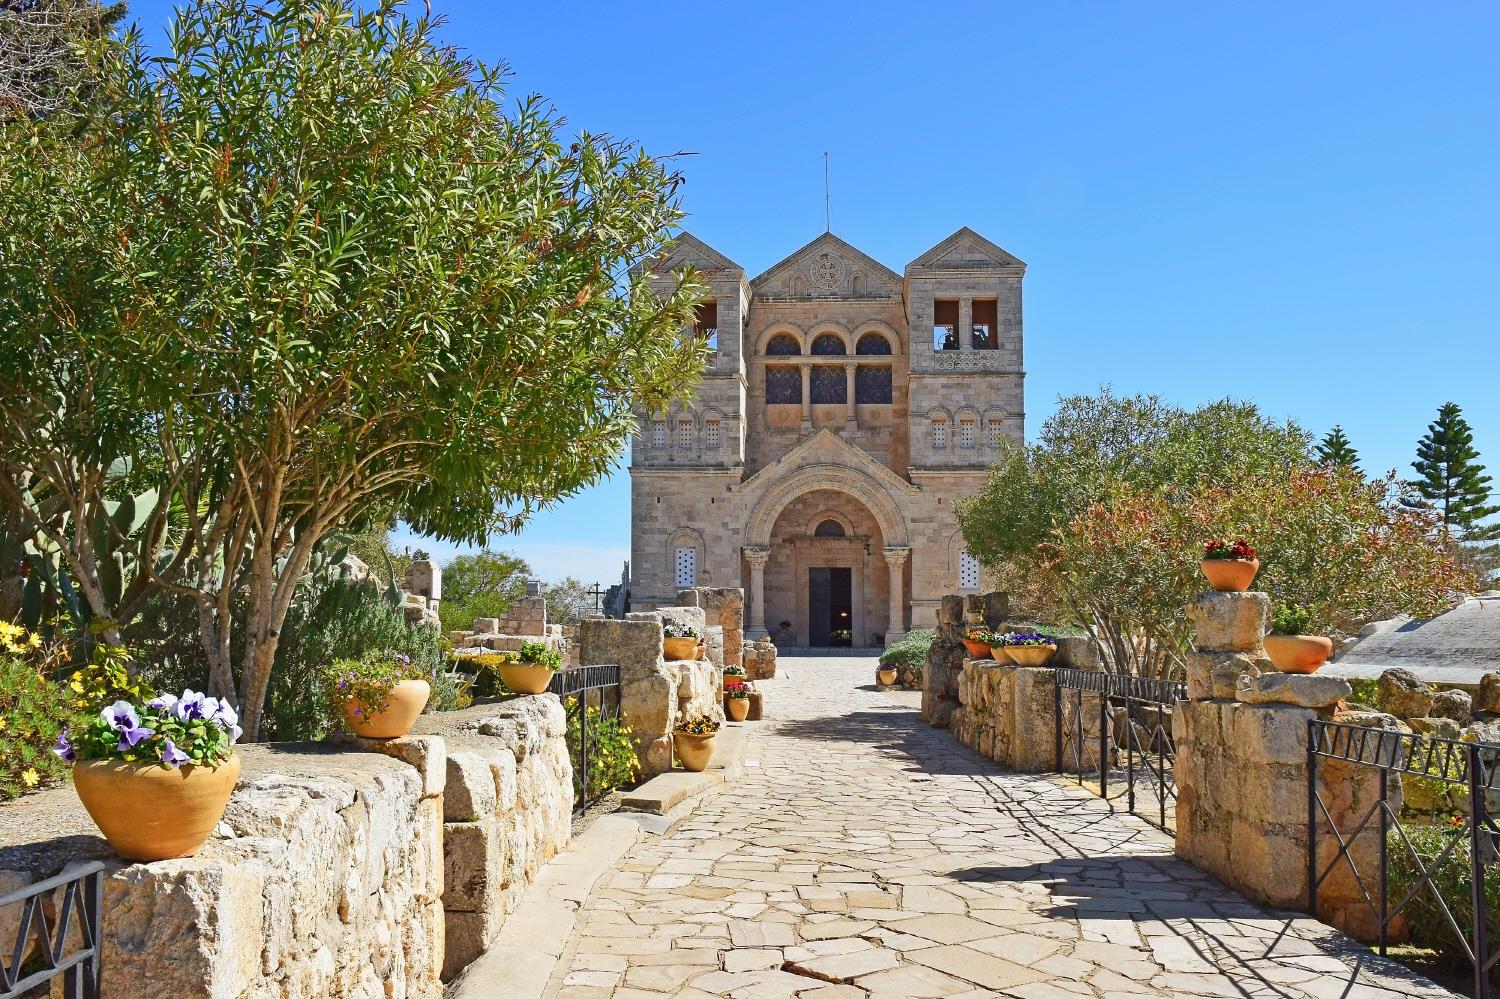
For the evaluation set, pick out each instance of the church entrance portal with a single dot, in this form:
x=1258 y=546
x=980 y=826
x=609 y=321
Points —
x=830 y=606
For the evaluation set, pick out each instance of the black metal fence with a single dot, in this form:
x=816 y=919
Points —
x=591 y=695
x=1429 y=856
x=56 y=940
x=1143 y=746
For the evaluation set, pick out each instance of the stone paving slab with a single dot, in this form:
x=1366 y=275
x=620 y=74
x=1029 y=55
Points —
x=864 y=854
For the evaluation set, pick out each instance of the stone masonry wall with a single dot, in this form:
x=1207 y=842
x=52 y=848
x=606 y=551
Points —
x=945 y=658
x=338 y=872
x=507 y=809
x=1242 y=775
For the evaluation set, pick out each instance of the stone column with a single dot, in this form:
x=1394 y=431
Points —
x=966 y=324
x=806 y=396
x=758 y=557
x=895 y=557
x=850 y=419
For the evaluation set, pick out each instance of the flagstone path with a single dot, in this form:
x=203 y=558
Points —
x=866 y=854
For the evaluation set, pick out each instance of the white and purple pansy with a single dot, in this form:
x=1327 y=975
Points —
x=121 y=717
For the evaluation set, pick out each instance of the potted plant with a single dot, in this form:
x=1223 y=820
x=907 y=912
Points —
x=1230 y=568
x=885 y=674
x=734 y=670
x=693 y=738
x=1289 y=646
x=377 y=696
x=1028 y=648
x=155 y=778
x=680 y=641
x=532 y=669
x=738 y=695
x=977 y=641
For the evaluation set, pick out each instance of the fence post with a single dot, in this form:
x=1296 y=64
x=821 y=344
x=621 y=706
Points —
x=1103 y=742
x=1478 y=848
x=1312 y=818
x=1057 y=722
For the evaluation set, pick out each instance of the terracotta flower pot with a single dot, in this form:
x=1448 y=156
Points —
x=739 y=708
x=1030 y=655
x=694 y=751
x=523 y=678
x=1230 y=575
x=885 y=677
x=679 y=648
x=1298 y=653
x=406 y=702
x=148 y=811
x=978 y=650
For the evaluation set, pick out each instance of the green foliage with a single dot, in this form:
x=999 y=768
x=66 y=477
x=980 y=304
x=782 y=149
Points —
x=195 y=729
x=612 y=759
x=312 y=265
x=1101 y=523
x=481 y=585
x=1450 y=478
x=538 y=654
x=1335 y=449
x=911 y=650
x=33 y=710
x=1365 y=690
x=485 y=670
x=345 y=620
x=674 y=629
x=568 y=601
x=1452 y=880
x=1291 y=619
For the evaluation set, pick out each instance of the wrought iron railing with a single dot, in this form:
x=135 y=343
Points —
x=1472 y=766
x=63 y=944
x=1149 y=751
x=580 y=689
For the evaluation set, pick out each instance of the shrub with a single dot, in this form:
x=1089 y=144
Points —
x=1453 y=883
x=537 y=654
x=612 y=759
x=345 y=620
x=33 y=711
x=911 y=650
x=485 y=669
x=1291 y=619
x=1365 y=691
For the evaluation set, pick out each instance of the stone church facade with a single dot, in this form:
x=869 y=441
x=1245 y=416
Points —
x=844 y=410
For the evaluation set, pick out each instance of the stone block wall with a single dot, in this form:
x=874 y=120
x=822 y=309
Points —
x=945 y=658
x=724 y=608
x=654 y=693
x=1242 y=769
x=338 y=870
x=507 y=809
x=760 y=659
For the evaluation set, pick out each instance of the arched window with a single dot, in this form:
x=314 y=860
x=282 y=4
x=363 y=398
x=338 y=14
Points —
x=829 y=385
x=872 y=385
x=711 y=433
x=994 y=429
x=874 y=344
x=939 y=431
x=706 y=323
x=828 y=344
x=685 y=433
x=658 y=432
x=968 y=571
x=858 y=285
x=783 y=385
x=783 y=344
x=829 y=529
x=966 y=431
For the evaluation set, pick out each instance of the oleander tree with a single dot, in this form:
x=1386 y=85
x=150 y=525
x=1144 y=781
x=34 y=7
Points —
x=1101 y=524
x=306 y=267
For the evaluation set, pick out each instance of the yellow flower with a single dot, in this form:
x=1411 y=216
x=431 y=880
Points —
x=30 y=777
x=34 y=642
x=4 y=723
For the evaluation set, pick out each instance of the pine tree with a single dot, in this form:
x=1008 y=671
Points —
x=1451 y=479
x=1335 y=449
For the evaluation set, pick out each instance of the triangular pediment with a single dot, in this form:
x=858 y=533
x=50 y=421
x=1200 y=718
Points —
x=827 y=268
x=967 y=249
x=827 y=448
x=688 y=250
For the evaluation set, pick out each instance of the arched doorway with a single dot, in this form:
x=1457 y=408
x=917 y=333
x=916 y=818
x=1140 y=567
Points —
x=826 y=582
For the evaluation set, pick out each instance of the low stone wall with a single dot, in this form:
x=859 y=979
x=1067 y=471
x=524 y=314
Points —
x=654 y=693
x=945 y=657
x=337 y=871
x=760 y=660
x=723 y=609
x=325 y=878
x=507 y=809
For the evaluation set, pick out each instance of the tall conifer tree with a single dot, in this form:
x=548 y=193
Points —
x=1451 y=479
x=1335 y=449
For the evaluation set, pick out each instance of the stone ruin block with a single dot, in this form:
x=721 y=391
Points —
x=1217 y=674
x=425 y=577
x=723 y=607
x=1230 y=622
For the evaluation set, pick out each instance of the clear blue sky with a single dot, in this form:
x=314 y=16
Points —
x=1293 y=203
